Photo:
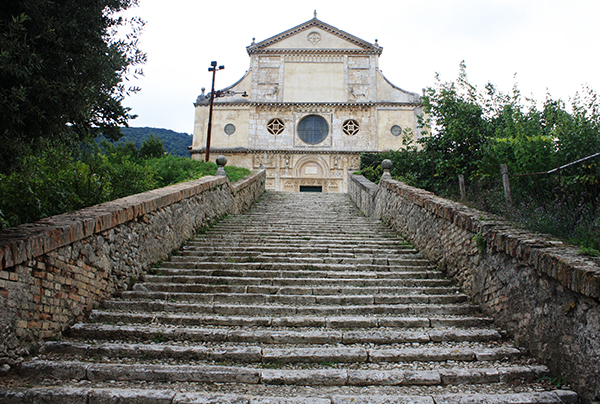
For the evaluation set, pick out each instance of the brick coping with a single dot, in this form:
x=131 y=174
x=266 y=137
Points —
x=24 y=242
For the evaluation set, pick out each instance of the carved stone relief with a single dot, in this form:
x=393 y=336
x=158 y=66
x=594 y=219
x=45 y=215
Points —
x=358 y=76
x=314 y=38
x=359 y=92
x=268 y=75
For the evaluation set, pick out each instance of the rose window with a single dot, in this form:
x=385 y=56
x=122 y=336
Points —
x=313 y=129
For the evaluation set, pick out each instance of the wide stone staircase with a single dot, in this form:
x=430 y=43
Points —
x=301 y=300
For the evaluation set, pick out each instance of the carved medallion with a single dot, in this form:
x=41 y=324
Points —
x=314 y=38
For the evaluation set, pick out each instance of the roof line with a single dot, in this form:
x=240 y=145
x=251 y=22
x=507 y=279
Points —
x=313 y=22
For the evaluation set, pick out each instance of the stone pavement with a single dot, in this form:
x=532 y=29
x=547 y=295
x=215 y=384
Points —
x=301 y=300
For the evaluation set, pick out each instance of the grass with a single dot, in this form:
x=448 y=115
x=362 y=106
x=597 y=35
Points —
x=556 y=381
x=274 y=365
x=158 y=338
x=590 y=252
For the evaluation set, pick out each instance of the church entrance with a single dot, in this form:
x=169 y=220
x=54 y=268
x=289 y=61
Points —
x=310 y=188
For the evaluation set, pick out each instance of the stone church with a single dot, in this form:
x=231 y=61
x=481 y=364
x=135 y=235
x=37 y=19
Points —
x=312 y=101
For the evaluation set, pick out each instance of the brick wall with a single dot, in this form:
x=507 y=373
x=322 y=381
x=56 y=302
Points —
x=545 y=294
x=54 y=271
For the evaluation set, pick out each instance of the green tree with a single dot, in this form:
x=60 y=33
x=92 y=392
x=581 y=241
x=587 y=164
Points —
x=62 y=71
x=152 y=148
x=457 y=126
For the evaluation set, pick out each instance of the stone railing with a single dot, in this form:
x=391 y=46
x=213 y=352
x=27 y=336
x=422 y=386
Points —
x=541 y=291
x=52 y=272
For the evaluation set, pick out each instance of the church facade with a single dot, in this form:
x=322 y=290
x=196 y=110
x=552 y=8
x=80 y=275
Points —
x=311 y=102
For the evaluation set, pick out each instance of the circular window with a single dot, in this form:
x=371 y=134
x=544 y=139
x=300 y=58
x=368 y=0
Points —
x=350 y=127
x=275 y=126
x=229 y=129
x=313 y=129
x=396 y=130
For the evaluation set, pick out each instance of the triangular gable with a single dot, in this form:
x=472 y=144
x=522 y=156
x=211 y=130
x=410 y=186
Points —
x=314 y=36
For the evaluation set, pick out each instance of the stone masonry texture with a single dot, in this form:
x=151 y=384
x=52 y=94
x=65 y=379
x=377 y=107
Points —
x=541 y=291
x=54 y=271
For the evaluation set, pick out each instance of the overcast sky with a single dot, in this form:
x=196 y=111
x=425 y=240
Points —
x=550 y=45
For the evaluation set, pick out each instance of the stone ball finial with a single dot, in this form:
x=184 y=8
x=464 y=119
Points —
x=386 y=165
x=221 y=162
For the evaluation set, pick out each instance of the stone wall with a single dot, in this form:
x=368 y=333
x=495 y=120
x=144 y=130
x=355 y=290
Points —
x=541 y=291
x=54 y=271
x=362 y=191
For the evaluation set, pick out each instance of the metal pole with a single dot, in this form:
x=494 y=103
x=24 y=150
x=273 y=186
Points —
x=213 y=69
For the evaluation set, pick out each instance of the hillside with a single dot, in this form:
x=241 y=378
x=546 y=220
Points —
x=174 y=142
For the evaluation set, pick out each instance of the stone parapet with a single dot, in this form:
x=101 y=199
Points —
x=541 y=291
x=362 y=191
x=52 y=272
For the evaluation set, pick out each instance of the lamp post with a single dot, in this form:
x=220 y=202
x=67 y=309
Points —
x=213 y=68
x=214 y=94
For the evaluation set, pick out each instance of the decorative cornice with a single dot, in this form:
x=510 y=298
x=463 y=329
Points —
x=299 y=51
x=240 y=150
x=300 y=105
x=313 y=23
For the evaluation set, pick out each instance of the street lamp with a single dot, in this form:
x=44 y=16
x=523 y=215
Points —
x=213 y=68
x=214 y=94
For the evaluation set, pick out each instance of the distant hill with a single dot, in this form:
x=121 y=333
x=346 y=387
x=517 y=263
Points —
x=174 y=142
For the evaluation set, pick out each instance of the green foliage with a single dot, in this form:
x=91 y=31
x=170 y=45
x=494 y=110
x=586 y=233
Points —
x=174 y=143
x=59 y=180
x=472 y=132
x=590 y=252
x=236 y=173
x=152 y=148
x=158 y=338
x=480 y=243
x=555 y=381
x=457 y=127
x=62 y=68
x=172 y=170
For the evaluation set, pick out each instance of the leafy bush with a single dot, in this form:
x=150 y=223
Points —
x=472 y=132
x=58 y=180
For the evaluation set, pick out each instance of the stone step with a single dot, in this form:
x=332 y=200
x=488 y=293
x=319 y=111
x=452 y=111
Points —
x=75 y=370
x=133 y=395
x=398 y=265
x=331 y=242
x=242 y=309
x=323 y=235
x=257 y=354
x=179 y=277
x=345 y=322
x=395 y=264
x=302 y=300
x=178 y=293
x=241 y=254
x=282 y=336
x=307 y=251
x=196 y=288
x=199 y=271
